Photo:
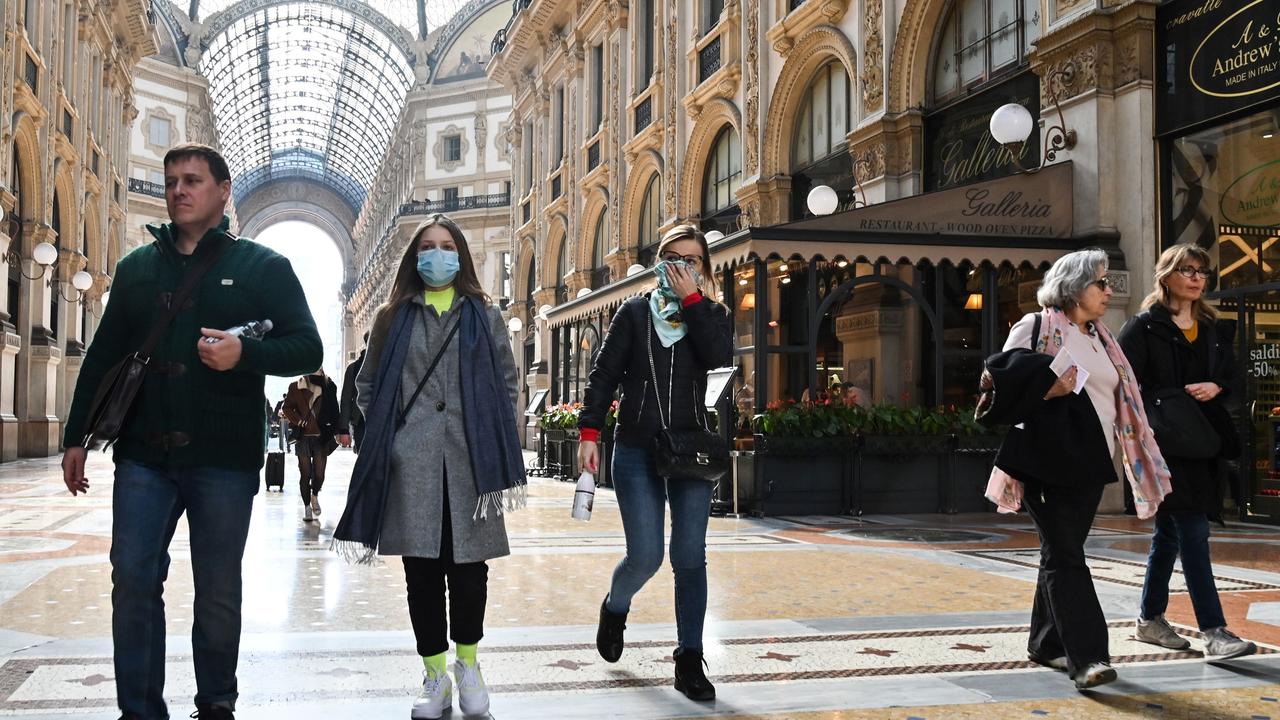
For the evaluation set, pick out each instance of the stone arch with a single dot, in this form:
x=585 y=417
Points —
x=26 y=147
x=815 y=49
x=595 y=201
x=715 y=115
x=909 y=65
x=64 y=188
x=558 y=233
x=93 y=240
x=647 y=163
x=520 y=272
x=302 y=201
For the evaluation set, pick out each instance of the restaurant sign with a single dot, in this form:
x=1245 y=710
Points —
x=1219 y=56
x=1034 y=205
x=960 y=147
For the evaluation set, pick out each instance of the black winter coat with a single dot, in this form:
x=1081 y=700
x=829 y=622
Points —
x=1162 y=358
x=624 y=360
x=1060 y=442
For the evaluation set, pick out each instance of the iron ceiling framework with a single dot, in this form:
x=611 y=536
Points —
x=305 y=90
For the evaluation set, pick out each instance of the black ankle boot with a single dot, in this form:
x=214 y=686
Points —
x=609 y=633
x=690 y=679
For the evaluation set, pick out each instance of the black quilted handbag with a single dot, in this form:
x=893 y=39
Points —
x=697 y=454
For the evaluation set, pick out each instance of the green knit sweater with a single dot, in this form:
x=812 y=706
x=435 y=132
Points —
x=220 y=412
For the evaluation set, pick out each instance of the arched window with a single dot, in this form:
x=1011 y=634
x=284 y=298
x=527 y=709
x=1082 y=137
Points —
x=15 y=237
x=721 y=180
x=599 y=249
x=562 y=290
x=824 y=118
x=650 y=220
x=982 y=40
x=57 y=243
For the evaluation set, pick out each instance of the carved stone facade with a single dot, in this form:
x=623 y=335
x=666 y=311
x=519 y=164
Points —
x=65 y=115
x=872 y=56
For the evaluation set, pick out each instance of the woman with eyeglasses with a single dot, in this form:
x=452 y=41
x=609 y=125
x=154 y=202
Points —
x=1178 y=346
x=659 y=349
x=1065 y=444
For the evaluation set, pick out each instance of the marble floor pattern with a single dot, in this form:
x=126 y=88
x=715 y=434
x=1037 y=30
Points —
x=813 y=618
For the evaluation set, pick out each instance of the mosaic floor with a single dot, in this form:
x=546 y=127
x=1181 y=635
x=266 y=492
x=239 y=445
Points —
x=814 y=618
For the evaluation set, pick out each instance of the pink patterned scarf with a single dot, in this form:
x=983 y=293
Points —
x=1144 y=466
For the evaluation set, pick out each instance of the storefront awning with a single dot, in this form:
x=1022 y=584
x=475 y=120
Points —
x=1016 y=219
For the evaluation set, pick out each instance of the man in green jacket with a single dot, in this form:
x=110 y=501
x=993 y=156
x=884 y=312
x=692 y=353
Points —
x=194 y=441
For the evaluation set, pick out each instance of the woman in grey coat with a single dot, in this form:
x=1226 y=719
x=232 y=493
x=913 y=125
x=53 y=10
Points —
x=439 y=513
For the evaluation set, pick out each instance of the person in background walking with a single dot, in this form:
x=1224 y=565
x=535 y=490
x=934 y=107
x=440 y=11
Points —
x=1177 y=344
x=690 y=334
x=441 y=453
x=193 y=442
x=350 y=420
x=311 y=406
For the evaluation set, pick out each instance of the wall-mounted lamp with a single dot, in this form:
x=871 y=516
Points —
x=542 y=312
x=1011 y=125
x=583 y=292
x=714 y=236
x=80 y=282
x=43 y=254
x=515 y=324
x=824 y=199
x=635 y=269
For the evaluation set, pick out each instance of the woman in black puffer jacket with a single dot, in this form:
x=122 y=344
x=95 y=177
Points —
x=1177 y=345
x=688 y=334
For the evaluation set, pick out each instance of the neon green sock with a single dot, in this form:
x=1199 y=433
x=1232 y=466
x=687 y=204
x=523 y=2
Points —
x=435 y=663
x=467 y=654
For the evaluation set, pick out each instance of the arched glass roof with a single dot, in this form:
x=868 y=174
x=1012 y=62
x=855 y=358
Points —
x=305 y=90
x=404 y=13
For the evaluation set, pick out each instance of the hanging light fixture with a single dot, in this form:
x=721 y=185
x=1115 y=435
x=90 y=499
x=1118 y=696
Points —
x=973 y=302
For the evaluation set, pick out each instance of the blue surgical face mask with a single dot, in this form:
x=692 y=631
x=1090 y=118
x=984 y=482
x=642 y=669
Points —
x=437 y=267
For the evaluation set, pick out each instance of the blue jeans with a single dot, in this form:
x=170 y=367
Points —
x=146 y=505
x=1185 y=533
x=640 y=492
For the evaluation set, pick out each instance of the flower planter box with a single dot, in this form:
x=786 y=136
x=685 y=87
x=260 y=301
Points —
x=801 y=476
x=971 y=463
x=560 y=454
x=897 y=474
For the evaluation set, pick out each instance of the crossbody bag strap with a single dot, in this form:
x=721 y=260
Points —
x=188 y=286
x=1035 y=332
x=653 y=371
x=404 y=411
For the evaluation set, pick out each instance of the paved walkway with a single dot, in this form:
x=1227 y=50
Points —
x=816 y=617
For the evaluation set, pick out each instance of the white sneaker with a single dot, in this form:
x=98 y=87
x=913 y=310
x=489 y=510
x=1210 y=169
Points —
x=307 y=515
x=473 y=696
x=1222 y=644
x=315 y=504
x=1157 y=631
x=436 y=697
x=1095 y=674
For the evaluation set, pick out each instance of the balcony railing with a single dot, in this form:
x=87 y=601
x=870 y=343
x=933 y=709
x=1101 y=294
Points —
x=593 y=156
x=709 y=60
x=145 y=187
x=470 y=202
x=644 y=114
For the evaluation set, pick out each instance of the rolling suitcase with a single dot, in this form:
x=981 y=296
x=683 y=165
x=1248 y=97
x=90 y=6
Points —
x=276 y=446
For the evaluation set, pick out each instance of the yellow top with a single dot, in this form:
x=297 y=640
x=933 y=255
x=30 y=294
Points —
x=441 y=300
x=1192 y=332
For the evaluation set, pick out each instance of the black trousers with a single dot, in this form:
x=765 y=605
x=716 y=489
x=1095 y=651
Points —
x=468 y=585
x=313 y=458
x=1066 y=618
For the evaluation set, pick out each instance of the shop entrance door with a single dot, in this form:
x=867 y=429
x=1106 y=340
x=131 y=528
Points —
x=1256 y=312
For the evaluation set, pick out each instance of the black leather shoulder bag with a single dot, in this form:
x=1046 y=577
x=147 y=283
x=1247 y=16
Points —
x=697 y=454
x=119 y=388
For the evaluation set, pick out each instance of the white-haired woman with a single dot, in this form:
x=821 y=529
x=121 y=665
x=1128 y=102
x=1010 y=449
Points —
x=1064 y=449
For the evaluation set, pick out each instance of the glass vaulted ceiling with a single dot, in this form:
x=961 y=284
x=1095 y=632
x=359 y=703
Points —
x=402 y=12
x=305 y=90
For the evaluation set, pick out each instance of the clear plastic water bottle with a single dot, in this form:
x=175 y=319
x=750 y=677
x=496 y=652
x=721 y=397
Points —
x=583 y=496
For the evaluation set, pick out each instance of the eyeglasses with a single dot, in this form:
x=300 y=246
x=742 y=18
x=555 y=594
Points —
x=1102 y=283
x=693 y=260
x=1188 y=272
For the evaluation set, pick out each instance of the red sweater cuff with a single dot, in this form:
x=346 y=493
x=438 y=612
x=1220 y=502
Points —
x=692 y=298
x=588 y=435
